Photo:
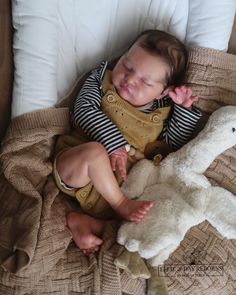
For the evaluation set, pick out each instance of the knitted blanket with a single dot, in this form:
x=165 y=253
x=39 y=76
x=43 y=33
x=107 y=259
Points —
x=36 y=252
x=204 y=263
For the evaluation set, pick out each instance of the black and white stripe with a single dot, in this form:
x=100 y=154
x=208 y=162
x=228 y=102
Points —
x=88 y=115
x=179 y=128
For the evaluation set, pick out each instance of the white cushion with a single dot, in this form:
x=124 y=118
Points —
x=169 y=16
x=210 y=23
x=35 y=55
x=103 y=29
x=55 y=41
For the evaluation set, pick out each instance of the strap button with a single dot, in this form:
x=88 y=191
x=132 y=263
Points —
x=111 y=98
x=155 y=119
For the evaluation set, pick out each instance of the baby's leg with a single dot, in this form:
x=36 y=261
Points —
x=90 y=162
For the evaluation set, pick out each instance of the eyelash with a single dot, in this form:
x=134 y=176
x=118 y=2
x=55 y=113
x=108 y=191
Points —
x=130 y=70
x=146 y=83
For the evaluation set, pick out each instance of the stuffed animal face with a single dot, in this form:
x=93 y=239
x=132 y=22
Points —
x=221 y=126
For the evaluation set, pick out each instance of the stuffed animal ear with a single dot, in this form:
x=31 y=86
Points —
x=157 y=149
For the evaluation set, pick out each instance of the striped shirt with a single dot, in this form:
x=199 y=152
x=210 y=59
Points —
x=87 y=114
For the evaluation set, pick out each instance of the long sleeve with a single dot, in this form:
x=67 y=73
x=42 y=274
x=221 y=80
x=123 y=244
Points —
x=88 y=116
x=180 y=126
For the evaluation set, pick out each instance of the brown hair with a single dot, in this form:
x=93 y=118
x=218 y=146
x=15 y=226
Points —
x=168 y=47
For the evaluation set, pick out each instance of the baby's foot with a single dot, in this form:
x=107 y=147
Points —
x=85 y=231
x=133 y=210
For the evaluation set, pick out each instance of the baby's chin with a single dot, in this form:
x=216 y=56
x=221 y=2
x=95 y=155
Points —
x=126 y=97
x=124 y=94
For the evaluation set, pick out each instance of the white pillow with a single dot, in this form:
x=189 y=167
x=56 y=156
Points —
x=35 y=54
x=210 y=23
x=103 y=29
x=57 y=40
x=169 y=16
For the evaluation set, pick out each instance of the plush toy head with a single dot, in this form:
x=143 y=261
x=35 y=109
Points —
x=222 y=126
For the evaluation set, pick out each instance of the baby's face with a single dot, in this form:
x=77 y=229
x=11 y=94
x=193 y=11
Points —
x=139 y=77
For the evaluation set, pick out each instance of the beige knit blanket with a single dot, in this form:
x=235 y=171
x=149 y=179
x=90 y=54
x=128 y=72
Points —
x=35 y=250
x=36 y=253
x=212 y=76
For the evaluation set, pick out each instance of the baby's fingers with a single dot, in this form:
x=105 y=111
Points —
x=188 y=103
x=189 y=92
x=177 y=99
x=194 y=98
x=121 y=164
x=113 y=162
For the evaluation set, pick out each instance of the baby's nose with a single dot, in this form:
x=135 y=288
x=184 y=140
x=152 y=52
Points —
x=130 y=78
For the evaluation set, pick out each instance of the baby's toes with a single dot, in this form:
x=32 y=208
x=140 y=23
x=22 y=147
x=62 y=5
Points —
x=147 y=206
x=90 y=250
x=137 y=216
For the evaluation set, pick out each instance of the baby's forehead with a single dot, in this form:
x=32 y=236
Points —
x=133 y=52
x=136 y=48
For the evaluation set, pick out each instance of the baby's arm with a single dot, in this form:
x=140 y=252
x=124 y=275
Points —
x=87 y=114
x=182 y=123
x=119 y=160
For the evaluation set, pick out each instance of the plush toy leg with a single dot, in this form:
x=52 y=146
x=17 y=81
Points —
x=193 y=180
x=136 y=267
x=163 y=254
x=143 y=174
x=156 y=284
x=132 y=263
x=220 y=211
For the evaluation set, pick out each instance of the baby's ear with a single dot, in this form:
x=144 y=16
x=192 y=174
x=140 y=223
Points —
x=167 y=90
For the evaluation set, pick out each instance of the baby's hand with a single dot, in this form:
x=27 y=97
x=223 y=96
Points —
x=183 y=96
x=119 y=159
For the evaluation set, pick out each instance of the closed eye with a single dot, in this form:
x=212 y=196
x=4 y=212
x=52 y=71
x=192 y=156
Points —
x=146 y=82
x=128 y=68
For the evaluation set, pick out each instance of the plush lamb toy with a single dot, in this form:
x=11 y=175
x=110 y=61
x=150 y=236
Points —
x=183 y=195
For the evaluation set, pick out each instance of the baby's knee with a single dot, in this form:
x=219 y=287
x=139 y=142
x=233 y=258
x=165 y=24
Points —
x=96 y=150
